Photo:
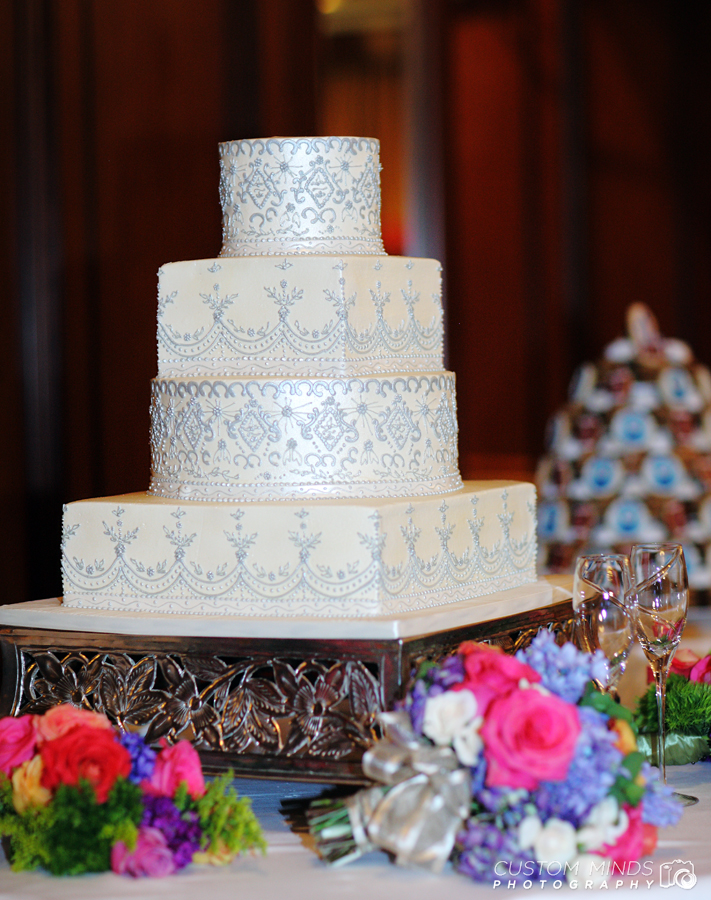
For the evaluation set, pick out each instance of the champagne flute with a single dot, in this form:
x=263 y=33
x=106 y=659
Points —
x=603 y=604
x=662 y=588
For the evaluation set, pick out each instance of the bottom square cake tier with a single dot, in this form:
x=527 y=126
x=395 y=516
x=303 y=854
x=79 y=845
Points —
x=342 y=558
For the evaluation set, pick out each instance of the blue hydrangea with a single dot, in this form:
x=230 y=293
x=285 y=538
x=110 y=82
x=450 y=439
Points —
x=143 y=757
x=482 y=844
x=591 y=774
x=564 y=670
x=659 y=808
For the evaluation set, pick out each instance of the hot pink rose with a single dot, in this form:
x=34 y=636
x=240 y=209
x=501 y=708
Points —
x=683 y=662
x=489 y=673
x=173 y=765
x=17 y=741
x=629 y=847
x=701 y=671
x=58 y=720
x=152 y=857
x=529 y=737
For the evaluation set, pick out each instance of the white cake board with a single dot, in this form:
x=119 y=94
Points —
x=52 y=615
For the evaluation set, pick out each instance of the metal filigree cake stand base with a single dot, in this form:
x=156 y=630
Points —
x=270 y=707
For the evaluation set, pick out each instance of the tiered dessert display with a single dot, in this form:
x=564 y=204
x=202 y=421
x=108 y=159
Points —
x=629 y=455
x=304 y=482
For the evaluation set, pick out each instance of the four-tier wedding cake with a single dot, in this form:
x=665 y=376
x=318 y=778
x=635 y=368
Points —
x=303 y=428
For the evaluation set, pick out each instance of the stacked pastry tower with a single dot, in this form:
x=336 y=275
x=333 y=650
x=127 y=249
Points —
x=629 y=456
x=303 y=428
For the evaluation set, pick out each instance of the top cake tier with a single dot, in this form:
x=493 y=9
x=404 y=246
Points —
x=300 y=195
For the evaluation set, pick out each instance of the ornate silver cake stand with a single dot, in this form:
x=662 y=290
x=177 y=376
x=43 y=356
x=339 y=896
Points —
x=275 y=698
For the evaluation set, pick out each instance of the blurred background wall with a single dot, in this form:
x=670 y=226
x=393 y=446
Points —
x=552 y=153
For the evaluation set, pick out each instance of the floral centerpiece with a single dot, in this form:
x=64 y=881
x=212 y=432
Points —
x=687 y=715
x=510 y=766
x=77 y=796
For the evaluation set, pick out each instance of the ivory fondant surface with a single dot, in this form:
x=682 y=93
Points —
x=300 y=195
x=320 y=558
x=267 y=438
x=303 y=429
x=312 y=316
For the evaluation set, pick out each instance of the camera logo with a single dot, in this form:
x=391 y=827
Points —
x=678 y=872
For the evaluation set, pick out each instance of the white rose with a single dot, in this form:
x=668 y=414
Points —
x=603 y=825
x=528 y=830
x=555 y=842
x=468 y=744
x=447 y=714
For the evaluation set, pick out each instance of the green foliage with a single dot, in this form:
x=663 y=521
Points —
x=83 y=831
x=605 y=704
x=688 y=708
x=227 y=820
x=626 y=789
x=73 y=834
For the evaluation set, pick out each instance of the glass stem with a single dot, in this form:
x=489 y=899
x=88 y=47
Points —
x=660 y=684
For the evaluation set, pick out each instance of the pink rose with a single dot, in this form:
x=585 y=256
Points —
x=58 y=720
x=701 y=671
x=152 y=857
x=683 y=662
x=489 y=673
x=529 y=737
x=173 y=765
x=17 y=741
x=629 y=846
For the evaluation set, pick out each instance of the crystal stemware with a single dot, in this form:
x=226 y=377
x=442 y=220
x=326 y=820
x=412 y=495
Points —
x=662 y=590
x=603 y=604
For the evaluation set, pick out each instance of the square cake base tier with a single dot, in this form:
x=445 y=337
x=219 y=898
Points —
x=270 y=699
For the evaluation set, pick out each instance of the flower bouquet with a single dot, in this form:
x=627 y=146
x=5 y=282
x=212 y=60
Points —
x=687 y=716
x=77 y=796
x=510 y=767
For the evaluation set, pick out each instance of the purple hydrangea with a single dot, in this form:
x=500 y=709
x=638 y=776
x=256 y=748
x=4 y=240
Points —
x=659 y=807
x=564 y=670
x=181 y=830
x=591 y=774
x=481 y=844
x=143 y=757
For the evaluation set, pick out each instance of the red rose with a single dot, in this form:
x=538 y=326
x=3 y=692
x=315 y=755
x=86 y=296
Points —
x=701 y=671
x=92 y=754
x=489 y=673
x=528 y=737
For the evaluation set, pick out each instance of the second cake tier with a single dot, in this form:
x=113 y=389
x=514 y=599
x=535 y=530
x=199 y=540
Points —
x=283 y=438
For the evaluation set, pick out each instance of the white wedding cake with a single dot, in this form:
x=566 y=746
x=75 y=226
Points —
x=303 y=428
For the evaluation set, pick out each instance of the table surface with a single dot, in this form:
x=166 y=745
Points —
x=292 y=870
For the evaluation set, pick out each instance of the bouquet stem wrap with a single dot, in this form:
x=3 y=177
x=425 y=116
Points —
x=429 y=797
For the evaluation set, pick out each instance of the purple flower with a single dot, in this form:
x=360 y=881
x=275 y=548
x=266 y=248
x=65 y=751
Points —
x=143 y=757
x=449 y=673
x=182 y=831
x=659 y=806
x=564 y=670
x=591 y=774
x=486 y=852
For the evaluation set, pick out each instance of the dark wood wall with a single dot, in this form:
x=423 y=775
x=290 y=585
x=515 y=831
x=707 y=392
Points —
x=113 y=113
x=576 y=181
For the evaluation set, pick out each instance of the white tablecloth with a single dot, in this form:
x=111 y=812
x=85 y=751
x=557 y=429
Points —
x=291 y=871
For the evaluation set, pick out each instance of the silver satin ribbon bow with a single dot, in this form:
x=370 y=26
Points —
x=429 y=797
